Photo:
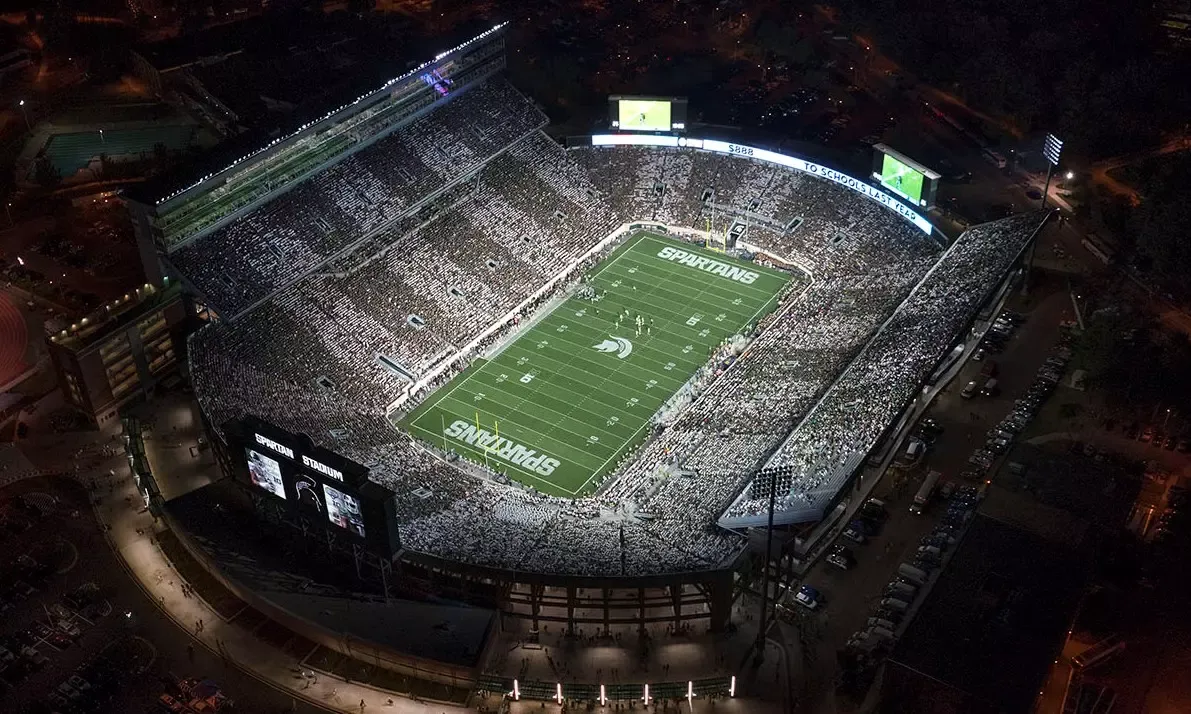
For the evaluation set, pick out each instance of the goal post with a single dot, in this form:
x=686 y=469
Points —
x=715 y=241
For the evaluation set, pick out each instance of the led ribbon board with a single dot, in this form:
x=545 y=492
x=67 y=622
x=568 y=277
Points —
x=722 y=147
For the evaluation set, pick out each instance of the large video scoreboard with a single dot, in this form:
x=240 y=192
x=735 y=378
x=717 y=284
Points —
x=905 y=177
x=317 y=484
x=647 y=113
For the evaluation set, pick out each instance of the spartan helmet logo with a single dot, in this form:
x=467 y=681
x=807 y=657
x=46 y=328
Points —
x=618 y=345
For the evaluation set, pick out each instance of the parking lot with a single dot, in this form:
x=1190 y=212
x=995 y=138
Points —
x=56 y=649
x=78 y=635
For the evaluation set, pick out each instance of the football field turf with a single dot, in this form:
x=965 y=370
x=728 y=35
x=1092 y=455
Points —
x=557 y=406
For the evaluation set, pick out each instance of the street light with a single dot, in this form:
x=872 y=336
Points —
x=1070 y=175
x=25 y=114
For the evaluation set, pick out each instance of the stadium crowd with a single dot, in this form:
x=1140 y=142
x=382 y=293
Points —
x=416 y=278
x=277 y=243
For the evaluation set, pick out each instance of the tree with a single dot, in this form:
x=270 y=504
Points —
x=45 y=173
x=1160 y=225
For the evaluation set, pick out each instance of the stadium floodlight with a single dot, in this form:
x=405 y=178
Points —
x=1052 y=149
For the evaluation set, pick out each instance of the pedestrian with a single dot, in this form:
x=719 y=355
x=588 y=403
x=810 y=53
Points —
x=362 y=706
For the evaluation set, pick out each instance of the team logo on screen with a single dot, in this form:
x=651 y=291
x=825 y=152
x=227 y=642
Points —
x=501 y=448
x=307 y=490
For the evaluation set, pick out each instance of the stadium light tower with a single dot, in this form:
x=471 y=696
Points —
x=763 y=625
x=1052 y=149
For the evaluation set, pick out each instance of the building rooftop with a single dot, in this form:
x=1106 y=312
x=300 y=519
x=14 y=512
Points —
x=995 y=621
x=1062 y=495
x=114 y=315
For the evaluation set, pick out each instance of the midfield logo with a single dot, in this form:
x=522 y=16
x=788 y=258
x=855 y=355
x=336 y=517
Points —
x=501 y=448
x=622 y=347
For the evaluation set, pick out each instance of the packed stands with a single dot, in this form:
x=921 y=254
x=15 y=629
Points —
x=430 y=247
x=237 y=265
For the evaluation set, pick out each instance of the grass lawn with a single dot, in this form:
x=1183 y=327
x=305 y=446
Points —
x=557 y=406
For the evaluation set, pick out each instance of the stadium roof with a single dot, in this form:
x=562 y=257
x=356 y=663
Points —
x=992 y=625
x=114 y=315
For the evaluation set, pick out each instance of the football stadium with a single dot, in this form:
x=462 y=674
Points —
x=509 y=360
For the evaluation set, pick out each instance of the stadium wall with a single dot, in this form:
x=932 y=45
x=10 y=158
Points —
x=342 y=642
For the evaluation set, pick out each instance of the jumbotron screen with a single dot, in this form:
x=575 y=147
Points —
x=904 y=177
x=901 y=179
x=648 y=113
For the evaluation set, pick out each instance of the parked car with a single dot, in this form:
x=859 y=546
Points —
x=855 y=532
x=808 y=597
x=60 y=640
x=841 y=557
x=67 y=627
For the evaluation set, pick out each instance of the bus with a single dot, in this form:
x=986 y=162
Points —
x=1098 y=653
x=923 y=496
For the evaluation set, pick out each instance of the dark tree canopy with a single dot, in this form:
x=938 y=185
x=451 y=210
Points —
x=1091 y=70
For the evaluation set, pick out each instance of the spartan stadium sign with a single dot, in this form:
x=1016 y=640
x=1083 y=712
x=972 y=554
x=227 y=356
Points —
x=501 y=448
x=712 y=266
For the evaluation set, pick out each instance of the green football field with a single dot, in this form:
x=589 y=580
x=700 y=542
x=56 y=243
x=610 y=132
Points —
x=557 y=405
x=644 y=114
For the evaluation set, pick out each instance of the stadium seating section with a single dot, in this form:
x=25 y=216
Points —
x=407 y=250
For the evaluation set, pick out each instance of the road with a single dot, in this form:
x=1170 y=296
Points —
x=1100 y=171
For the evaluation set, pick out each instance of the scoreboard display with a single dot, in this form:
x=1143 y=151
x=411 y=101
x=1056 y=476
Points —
x=904 y=177
x=901 y=179
x=650 y=114
x=317 y=484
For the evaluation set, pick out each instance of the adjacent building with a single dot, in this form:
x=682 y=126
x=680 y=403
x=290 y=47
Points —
x=122 y=351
